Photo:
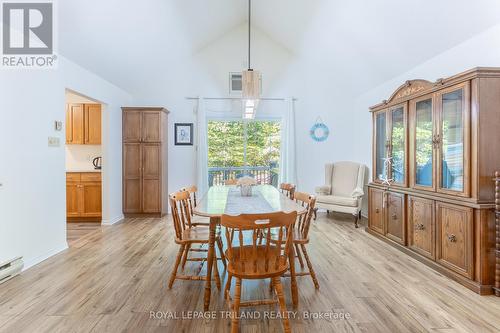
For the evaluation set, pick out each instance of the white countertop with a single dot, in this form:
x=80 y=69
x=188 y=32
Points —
x=83 y=170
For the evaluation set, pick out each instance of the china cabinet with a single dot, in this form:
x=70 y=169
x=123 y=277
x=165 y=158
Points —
x=431 y=193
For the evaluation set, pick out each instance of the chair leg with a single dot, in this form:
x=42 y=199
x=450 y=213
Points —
x=279 y=291
x=356 y=221
x=176 y=265
x=315 y=214
x=227 y=288
x=221 y=250
x=236 y=307
x=309 y=265
x=297 y=249
x=185 y=256
x=216 y=273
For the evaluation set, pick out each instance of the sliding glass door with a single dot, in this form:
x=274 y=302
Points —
x=237 y=148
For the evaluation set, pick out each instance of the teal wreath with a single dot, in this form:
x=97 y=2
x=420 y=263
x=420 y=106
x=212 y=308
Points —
x=315 y=136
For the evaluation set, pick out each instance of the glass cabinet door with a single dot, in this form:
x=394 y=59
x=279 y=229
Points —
x=380 y=146
x=451 y=140
x=398 y=144
x=424 y=145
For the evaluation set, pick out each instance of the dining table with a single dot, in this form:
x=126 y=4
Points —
x=228 y=200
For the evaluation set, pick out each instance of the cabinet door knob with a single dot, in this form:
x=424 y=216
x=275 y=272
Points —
x=394 y=216
x=377 y=210
x=420 y=226
x=451 y=238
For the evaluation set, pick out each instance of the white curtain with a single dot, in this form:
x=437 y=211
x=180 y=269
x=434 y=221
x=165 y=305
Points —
x=288 y=160
x=202 y=147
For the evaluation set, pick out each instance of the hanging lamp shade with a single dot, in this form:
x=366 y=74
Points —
x=250 y=84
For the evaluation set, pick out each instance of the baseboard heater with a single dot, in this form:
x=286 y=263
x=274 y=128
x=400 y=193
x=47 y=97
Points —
x=10 y=268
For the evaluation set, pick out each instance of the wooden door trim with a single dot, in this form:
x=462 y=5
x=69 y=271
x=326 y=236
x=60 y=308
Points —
x=413 y=144
x=466 y=100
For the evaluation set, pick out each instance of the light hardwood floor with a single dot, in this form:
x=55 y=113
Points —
x=113 y=277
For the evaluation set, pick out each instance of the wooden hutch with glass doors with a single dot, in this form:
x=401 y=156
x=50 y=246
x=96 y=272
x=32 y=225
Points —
x=431 y=193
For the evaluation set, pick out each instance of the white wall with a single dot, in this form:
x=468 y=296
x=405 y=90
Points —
x=33 y=196
x=79 y=157
x=206 y=74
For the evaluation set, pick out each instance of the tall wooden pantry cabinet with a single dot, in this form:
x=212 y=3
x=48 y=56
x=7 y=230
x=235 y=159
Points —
x=145 y=161
x=432 y=194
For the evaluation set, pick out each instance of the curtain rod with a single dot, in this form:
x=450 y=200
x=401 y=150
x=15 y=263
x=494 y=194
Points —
x=239 y=98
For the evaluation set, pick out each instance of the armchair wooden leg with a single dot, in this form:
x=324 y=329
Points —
x=315 y=214
x=356 y=220
x=176 y=265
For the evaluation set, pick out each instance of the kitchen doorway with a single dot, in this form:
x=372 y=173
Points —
x=84 y=176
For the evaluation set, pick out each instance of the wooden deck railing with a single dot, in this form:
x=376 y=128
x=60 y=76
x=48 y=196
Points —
x=262 y=174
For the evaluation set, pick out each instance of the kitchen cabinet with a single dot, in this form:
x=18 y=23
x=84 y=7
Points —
x=83 y=196
x=83 y=124
x=144 y=161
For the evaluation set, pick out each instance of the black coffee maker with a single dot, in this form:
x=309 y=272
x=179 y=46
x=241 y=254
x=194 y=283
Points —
x=97 y=162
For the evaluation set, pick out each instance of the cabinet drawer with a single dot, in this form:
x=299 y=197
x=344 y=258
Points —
x=454 y=238
x=73 y=177
x=421 y=226
x=396 y=227
x=376 y=210
x=91 y=177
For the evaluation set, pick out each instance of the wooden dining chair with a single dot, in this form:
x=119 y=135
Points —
x=287 y=189
x=186 y=235
x=195 y=220
x=249 y=260
x=231 y=181
x=301 y=234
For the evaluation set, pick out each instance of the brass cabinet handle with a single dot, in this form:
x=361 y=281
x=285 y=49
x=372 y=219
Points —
x=420 y=226
x=377 y=210
x=394 y=216
x=451 y=238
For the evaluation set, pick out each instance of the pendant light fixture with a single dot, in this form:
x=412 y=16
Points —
x=250 y=78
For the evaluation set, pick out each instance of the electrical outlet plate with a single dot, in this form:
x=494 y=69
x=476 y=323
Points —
x=54 y=141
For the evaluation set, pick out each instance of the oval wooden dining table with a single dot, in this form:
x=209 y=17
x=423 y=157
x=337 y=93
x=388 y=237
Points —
x=220 y=200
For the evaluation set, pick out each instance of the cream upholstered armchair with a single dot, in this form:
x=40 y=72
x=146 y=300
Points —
x=343 y=189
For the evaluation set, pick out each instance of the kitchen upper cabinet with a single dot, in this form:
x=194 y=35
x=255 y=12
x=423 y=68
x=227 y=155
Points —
x=83 y=124
x=92 y=124
x=75 y=124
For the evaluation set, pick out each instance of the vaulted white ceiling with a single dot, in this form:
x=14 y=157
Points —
x=129 y=41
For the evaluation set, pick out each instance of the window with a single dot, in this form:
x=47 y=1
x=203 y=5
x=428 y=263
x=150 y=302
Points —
x=237 y=148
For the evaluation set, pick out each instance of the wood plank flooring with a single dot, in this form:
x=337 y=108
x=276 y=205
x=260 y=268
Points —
x=76 y=231
x=112 y=278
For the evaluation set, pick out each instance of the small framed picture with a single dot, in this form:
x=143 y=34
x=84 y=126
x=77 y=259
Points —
x=183 y=134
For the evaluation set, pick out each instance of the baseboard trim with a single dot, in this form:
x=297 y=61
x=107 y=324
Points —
x=35 y=261
x=113 y=220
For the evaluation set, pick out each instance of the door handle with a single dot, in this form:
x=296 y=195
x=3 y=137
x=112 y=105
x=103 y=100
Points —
x=420 y=226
